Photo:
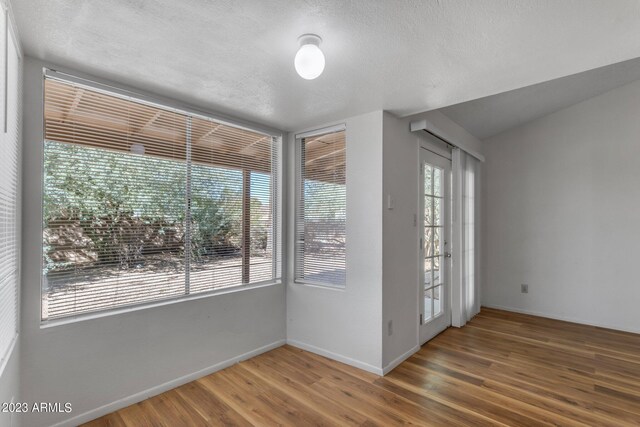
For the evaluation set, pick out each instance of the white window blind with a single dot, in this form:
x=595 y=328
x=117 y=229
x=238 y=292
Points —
x=320 y=229
x=145 y=203
x=9 y=197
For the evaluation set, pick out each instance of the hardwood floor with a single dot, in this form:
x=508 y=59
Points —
x=501 y=369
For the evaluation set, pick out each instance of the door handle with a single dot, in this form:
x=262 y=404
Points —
x=447 y=254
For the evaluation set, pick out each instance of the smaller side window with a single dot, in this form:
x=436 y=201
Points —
x=321 y=211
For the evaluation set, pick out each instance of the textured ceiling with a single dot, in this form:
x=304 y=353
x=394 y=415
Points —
x=489 y=116
x=236 y=56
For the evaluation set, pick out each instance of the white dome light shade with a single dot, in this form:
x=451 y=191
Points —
x=309 y=60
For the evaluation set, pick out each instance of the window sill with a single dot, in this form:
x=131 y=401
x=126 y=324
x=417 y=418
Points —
x=320 y=285
x=45 y=324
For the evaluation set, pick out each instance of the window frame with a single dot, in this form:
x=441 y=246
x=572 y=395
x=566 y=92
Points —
x=298 y=138
x=170 y=105
x=11 y=43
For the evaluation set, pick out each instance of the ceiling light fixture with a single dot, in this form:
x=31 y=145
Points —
x=309 y=60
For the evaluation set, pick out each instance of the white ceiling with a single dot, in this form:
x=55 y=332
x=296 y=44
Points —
x=489 y=116
x=236 y=56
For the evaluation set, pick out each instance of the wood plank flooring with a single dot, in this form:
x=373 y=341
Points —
x=503 y=369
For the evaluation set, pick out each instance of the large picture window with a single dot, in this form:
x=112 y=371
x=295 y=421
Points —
x=321 y=211
x=144 y=203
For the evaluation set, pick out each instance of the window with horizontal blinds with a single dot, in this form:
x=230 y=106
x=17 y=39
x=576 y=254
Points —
x=9 y=198
x=142 y=202
x=320 y=228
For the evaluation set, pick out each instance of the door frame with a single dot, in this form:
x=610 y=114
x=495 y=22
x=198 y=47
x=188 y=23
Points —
x=440 y=155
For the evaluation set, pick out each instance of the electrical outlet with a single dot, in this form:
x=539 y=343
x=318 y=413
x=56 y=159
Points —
x=524 y=289
x=390 y=327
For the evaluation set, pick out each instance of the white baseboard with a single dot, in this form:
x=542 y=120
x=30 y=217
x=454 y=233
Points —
x=398 y=360
x=161 y=388
x=335 y=356
x=563 y=318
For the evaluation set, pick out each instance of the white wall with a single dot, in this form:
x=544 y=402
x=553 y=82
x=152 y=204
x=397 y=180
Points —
x=560 y=213
x=345 y=323
x=400 y=239
x=401 y=149
x=102 y=364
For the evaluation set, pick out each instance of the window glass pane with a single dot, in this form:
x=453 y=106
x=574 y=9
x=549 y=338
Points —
x=428 y=179
x=428 y=277
x=262 y=231
x=321 y=212
x=437 y=181
x=216 y=228
x=437 y=249
x=428 y=241
x=428 y=304
x=437 y=300
x=113 y=228
x=437 y=211
x=437 y=278
x=428 y=210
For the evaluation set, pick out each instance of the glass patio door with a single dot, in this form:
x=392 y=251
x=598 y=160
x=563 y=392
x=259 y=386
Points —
x=435 y=235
